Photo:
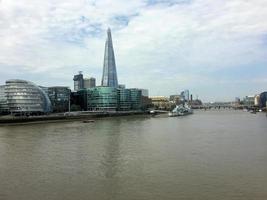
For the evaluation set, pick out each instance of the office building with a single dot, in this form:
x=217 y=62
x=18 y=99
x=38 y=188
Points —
x=83 y=99
x=59 y=97
x=109 y=76
x=160 y=102
x=89 y=82
x=185 y=95
x=176 y=99
x=102 y=99
x=263 y=99
x=124 y=99
x=144 y=92
x=135 y=98
x=78 y=81
x=249 y=101
x=109 y=99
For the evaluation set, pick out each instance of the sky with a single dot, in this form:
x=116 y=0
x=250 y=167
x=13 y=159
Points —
x=215 y=48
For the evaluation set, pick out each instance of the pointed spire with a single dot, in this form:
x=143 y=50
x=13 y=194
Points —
x=109 y=77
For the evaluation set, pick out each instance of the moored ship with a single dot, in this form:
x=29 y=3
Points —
x=181 y=110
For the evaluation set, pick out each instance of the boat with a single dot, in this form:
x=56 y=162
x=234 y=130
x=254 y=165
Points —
x=181 y=110
x=253 y=112
x=88 y=121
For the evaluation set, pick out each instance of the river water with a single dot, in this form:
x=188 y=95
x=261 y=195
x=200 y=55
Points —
x=210 y=155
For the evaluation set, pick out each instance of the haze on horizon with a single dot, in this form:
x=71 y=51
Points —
x=215 y=48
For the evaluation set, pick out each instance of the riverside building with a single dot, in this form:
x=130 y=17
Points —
x=263 y=100
x=108 y=99
x=135 y=98
x=3 y=101
x=102 y=99
x=26 y=98
x=59 y=97
x=249 y=101
x=124 y=99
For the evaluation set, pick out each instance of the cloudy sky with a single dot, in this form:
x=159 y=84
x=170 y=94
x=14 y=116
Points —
x=215 y=48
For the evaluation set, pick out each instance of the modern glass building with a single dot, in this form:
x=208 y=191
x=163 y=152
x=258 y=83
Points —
x=124 y=99
x=25 y=97
x=59 y=97
x=109 y=77
x=263 y=99
x=102 y=99
x=82 y=99
x=109 y=99
x=135 y=98
x=3 y=100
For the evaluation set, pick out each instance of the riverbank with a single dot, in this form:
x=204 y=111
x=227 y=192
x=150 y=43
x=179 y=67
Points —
x=61 y=117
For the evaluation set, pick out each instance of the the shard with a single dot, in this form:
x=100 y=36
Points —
x=109 y=77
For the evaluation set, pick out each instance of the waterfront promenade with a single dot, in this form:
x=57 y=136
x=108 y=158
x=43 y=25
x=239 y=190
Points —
x=68 y=116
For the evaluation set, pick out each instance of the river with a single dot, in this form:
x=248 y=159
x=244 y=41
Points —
x=210 y=155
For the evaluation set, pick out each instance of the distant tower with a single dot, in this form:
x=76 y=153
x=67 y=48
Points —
x=185 y=95
x=109 y=77
x=89 y=82
x=78 y=81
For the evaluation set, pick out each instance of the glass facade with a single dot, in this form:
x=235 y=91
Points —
x=26 y=97
x=82 y=99
x=135 y=98
x=109 y=77
x=263 y=99
x=124 y=99
x=59 y=97
x=109 y=99
x=102 y=99
x=3 y=100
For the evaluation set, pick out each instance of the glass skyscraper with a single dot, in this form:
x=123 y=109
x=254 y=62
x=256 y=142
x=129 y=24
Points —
x=109 y=77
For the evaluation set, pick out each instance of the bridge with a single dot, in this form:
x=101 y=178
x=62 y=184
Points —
x=223 y=105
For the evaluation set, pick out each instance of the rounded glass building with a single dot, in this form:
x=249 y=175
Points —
x=25 y=97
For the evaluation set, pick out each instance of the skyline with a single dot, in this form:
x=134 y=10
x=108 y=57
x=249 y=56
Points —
x=216 y=49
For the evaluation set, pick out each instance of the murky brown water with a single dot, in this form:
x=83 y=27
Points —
x=210 y=155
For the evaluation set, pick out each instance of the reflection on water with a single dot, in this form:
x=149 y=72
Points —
x=208 y=155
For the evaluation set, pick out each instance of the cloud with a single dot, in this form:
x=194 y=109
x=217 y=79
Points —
x=165 y=46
